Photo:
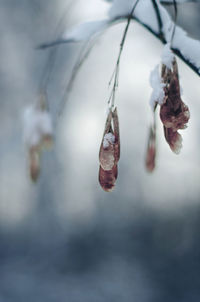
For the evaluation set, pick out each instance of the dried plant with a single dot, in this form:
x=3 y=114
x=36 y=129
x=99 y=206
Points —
x=34 y=163
x=109 y=153
x=38 y=133
x=151 y=150
x=174 y=113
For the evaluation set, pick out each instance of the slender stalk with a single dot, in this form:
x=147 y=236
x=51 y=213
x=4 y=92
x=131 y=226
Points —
x=154 y=33
x=159 y=19
x=111 y=100
x=83 y=55
x=47 y=72
x=175 y=19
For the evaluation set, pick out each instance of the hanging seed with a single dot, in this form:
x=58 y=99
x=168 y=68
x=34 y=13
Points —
x=107 y=179
x=107 y=148
x=151 y=151
x=47 y=141
x=109 y=153
x=174 y=114
x=116 y=134
x=34 y=164
x=174 y=139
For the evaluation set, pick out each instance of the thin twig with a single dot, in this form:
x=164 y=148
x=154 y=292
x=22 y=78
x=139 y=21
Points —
x=111 y=99
x=178 y=2
x=159 y=19
x=83 y=55
x=52 y=54
x=154 y=33
x=175 y=20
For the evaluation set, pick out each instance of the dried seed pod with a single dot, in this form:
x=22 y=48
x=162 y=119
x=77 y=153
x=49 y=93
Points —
x=174 y=139
x=47 y=141
x=110 y=146
x=107 y=179
x=34 y=164
x=151 y=150
x=174 y=114
x=109 y=152
x=116 y=134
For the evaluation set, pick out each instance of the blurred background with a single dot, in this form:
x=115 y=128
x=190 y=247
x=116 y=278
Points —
x=64 y=238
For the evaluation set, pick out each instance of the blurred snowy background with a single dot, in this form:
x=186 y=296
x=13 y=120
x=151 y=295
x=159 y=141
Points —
x=64 y=238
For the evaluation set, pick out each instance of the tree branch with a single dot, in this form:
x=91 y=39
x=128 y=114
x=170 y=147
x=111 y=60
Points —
x=116 y=70
x=165 y=2
x=159 y=19
x=157 y=35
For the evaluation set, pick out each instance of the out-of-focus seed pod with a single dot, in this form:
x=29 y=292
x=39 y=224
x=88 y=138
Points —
x=107 y=179
x=34 y=164
x=38 y=133
x=151 y=151
x=47 y=141
x=42 y=103
x=174 y=114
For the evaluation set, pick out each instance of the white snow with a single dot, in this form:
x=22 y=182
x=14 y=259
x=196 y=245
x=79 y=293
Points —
x=108 y=139
x=157 y=95
x=188 y=47
x=145 y=13
x=167 y=56
x=37 y=124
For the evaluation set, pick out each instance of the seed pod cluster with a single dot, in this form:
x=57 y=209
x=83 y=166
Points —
x=174 y=114
x=109 y=153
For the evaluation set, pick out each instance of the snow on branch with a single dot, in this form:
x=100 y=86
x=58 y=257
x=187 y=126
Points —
x=150 y=14
x=79 y=33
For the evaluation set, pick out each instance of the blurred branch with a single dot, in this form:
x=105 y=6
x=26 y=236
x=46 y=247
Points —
x=83 y=55
x=116 y=71
x=170 y=2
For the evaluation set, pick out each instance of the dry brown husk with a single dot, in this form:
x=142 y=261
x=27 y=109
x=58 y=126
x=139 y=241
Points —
x=109 y=155
x=174 y=113
x=151 y=150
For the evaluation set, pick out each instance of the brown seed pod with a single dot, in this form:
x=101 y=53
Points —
x=116 y=134
x=174 y=114
x=109 y=153
x=151 y=151
x=174 y=139
x=34 y=164
x=47 y=141
x=107 y=178
x=110 y=146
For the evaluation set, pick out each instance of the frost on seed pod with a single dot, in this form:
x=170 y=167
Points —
x=109 y=153
x=174 y=113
